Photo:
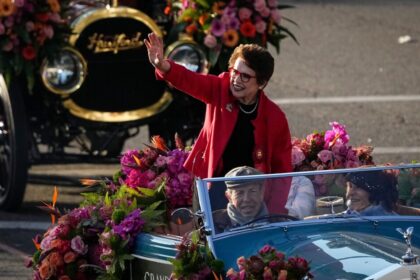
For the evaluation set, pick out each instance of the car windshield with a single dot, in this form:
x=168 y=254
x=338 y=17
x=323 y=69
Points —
x=251 y=201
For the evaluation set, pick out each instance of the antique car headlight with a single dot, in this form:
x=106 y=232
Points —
x=66 y=73
x=188 y=54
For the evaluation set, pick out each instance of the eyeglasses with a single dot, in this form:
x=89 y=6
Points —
x=244 y=76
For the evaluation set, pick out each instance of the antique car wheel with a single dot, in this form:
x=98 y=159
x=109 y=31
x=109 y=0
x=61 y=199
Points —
x=13 y=147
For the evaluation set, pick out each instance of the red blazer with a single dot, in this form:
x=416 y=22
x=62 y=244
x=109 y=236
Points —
x=272 y=150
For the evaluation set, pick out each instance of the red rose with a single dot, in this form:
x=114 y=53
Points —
x=248 y=29
x=42 y=17
x=29 y=52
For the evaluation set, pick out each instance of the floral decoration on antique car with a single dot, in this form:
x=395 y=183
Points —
x=328 y=149
x=270 y=264
x=30 y=30
x=221 y=25
x=96 y=238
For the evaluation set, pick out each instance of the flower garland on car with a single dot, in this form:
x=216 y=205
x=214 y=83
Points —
x=30 y=30
x=221 y=25
x=194 y=260
x=329 y=149
x=94 y=241
x=270 y=264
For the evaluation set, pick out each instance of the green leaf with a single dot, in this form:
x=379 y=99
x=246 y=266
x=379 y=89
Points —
x=284 y=29
x=203 y=3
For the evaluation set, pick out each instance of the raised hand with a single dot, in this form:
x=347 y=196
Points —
x=154 y=46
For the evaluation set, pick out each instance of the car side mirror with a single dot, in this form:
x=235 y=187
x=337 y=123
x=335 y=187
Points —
x=182 y=216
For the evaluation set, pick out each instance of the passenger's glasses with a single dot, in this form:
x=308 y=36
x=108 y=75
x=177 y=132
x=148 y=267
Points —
x=244 y=76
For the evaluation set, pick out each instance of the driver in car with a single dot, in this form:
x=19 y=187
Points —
x=245 y=200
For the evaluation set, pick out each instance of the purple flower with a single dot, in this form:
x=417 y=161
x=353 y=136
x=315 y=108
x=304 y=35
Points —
x=217 y=28
x=128 y=162
x=130 y=226
x=78 y=245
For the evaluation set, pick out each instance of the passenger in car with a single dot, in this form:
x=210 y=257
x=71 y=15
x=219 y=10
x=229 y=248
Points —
x=242 y=125
x=301 y=201
x=245 y=200
x=371 y=193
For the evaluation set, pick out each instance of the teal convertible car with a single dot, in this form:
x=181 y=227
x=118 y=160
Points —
x=358 y=223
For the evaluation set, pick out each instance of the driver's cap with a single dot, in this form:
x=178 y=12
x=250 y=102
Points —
x=240 y=171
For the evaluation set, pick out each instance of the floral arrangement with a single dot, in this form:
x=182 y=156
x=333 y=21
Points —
x=195 y=261
x=30 y=30
x=95 y=239
x=270 y=264
x=329 y=149
x=157 y=164
x=221 y=25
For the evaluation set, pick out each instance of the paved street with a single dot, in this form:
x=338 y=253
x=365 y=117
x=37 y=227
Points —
x=349 y=67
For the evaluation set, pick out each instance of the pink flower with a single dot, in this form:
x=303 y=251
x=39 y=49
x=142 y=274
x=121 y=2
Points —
x=267 y=274
x=276 y=16
x=241 y=261
x=78 y=245
x=244 y=14
x=48 y=31
x=338 y=132
x=30 y=26
x=210 y=41
x=265 y=12
x=297 y=156
x=272 y=3
x=266 y=249
x=325 y=156
x=2 y=29
x=46 y=242
x=19 y=3
x=260 y=26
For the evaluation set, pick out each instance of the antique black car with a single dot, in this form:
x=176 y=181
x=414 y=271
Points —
x=95 y=94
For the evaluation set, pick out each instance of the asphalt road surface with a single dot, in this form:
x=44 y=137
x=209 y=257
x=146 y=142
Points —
x=357 y=62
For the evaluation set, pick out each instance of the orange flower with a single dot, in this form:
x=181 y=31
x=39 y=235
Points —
x=54 y=5
x=159 y=143
x=56 y=259
x=167 y=10
x=218 y=7
x=45 y=270
x=70 y=257
x=248 y=29
x=202 y=19
x=191 y=29
x=6 y=8
x=89 y=182
x=230 y=38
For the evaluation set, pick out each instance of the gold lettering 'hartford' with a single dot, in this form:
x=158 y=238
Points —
x=114 y=43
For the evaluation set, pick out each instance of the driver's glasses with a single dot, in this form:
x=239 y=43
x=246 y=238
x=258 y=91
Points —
x=244 y=76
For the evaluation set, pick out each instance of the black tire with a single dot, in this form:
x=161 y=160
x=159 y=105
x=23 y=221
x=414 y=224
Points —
x=13 y=146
